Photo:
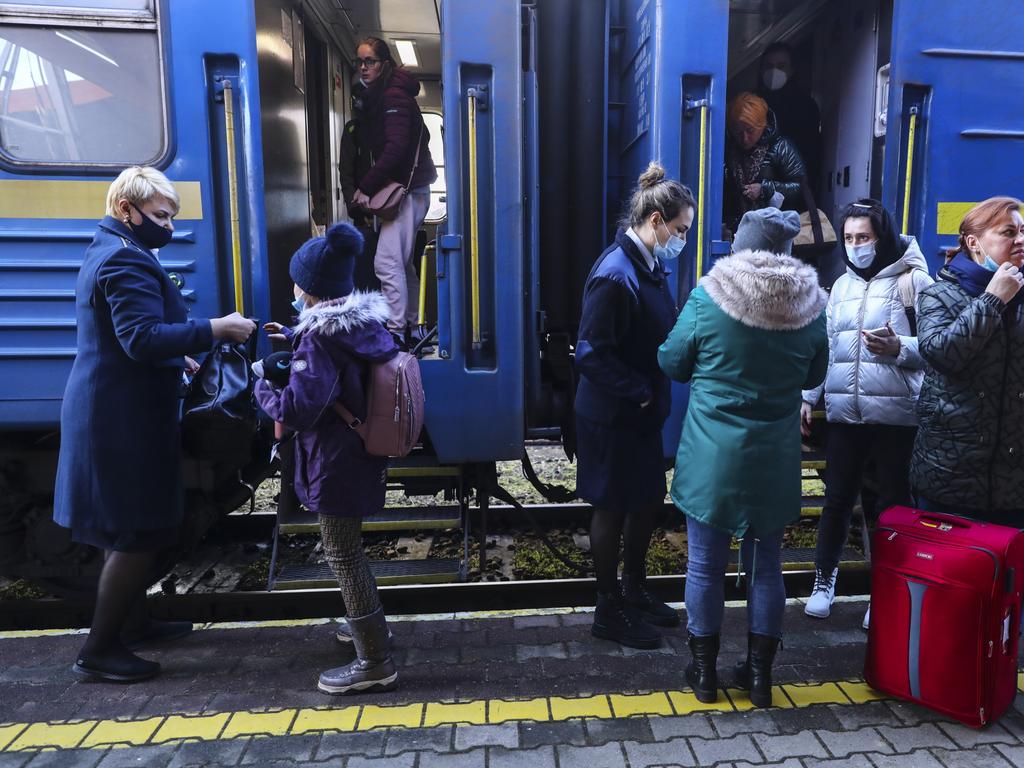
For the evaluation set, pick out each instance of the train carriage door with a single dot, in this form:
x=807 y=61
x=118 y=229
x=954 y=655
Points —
x=671 y=70
x=954 y=135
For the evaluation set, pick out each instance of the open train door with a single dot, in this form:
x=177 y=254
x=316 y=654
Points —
x=954 y=134
x=672 y=69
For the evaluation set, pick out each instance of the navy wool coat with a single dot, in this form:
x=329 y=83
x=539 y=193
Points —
x=119 y=468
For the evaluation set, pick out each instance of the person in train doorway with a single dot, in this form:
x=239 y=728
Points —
x=750 y=337
x=118 y=485
x=340 y=334
x=353 y=163
x=623 y=400
x=967 y=455
x=873 y=380
x=394 y=134
x=796 y=112
x=762 y=167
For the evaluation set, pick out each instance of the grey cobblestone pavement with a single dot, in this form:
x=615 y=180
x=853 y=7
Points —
x=261 y=669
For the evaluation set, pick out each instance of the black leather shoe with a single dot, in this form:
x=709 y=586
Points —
x=653 y=611
x=154 y=633
x=115 y=666
x=755 y=674
x=702 y=671
x=614 y=620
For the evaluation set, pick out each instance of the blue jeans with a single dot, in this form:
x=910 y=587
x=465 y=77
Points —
x=705 y=580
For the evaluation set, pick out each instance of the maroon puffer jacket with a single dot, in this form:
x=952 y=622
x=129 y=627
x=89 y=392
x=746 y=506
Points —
x=389 y=126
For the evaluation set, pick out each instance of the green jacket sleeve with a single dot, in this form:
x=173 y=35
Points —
x=819 y=363
x=678 y=353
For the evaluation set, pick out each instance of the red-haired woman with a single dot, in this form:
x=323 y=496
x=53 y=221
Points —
x=970 y=327
x=392 y=131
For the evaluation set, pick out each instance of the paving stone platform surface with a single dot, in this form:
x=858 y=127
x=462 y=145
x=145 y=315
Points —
x=488 y=692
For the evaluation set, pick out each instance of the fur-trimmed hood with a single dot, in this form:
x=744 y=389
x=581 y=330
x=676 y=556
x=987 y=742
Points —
x=343 y=315
x=355 y=322
x=765 y=290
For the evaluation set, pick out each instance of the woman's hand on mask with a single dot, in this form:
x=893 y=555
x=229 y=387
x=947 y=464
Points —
x=1005 y=283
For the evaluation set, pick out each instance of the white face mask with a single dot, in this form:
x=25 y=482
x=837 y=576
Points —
x=861 y=256
x=774 y=79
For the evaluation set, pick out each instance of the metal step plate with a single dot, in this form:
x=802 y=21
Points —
x=802 y=559
x=392 y=519
x=386 y=572
x=811 y=506
x=812 y=460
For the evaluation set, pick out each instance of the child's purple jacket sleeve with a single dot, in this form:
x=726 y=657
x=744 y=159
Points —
x=312 y=387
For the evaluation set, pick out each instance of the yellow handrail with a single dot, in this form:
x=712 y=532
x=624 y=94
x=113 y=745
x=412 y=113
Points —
x=911 y=137
x=236 y=244
x=701 y=185
x=474 y=222
x=423 y=284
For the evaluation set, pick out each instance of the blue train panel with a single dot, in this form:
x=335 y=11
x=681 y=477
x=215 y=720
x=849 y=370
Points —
x=52 y=191
x=673 y=72
x=954 y=132
x=475 y=389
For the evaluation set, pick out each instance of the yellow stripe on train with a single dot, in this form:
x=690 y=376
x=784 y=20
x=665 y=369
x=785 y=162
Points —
x=950 y=215
x=65 y=199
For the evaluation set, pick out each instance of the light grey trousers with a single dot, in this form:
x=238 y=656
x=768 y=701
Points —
x=393 y=261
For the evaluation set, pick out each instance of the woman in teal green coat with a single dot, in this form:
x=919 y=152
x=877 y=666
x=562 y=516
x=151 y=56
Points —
x=750 y=338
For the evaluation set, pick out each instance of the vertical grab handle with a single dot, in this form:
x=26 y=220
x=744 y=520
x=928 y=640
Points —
x=701 y=187
x=423 y=284
x=911 y=139
x=232 y=163
x=474 y=218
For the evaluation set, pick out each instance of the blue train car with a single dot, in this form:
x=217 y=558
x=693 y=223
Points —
x=549 y=110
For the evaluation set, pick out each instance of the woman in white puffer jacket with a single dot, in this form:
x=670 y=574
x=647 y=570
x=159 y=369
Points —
x=873 y=379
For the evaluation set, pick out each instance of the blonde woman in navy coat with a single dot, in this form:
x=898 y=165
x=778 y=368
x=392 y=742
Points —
x=118 y=477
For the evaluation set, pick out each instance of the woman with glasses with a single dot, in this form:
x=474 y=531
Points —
x=874 y=376
x=392 y=131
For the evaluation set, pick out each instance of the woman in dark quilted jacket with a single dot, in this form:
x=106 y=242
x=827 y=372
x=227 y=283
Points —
x=759 y=162
x=970 y=326
x=392 y=132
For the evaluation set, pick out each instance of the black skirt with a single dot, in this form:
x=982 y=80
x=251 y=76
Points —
x=618 y=468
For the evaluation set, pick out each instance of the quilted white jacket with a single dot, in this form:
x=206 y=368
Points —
x=860 y=387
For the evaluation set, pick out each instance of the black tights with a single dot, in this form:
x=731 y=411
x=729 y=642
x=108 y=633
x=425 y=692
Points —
x=607 y=528
x=122 y=586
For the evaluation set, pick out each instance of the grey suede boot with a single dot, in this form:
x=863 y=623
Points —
x=373 y=667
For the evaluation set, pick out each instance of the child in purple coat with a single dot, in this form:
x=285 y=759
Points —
x=340 y=333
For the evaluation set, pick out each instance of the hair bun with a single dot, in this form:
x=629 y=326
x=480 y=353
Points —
x=654 y=174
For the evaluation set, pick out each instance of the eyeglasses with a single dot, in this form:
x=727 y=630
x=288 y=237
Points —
x=368 y=62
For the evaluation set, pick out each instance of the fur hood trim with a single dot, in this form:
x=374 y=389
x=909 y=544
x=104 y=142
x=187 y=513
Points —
x=343 y=315
x=765 y=290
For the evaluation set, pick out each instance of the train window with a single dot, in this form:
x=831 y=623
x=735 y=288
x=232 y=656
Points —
x=72 y=96
x=438 y=206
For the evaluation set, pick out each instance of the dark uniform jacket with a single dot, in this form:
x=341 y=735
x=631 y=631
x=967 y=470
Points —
x=119 y=467
x=627 y=312
x=971 y=409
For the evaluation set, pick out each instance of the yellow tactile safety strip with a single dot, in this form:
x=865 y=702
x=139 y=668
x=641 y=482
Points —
x=88 y=734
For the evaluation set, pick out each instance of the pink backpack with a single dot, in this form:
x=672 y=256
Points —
x=394 y=407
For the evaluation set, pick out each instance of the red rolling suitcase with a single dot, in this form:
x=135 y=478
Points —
x=945 y=613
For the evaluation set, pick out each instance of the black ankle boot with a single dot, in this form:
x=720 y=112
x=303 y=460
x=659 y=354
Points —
x=653 y=611
x=702 y=672
x=614 y=620
x=755 y=674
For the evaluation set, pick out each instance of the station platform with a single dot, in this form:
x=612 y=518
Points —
x=476 y=690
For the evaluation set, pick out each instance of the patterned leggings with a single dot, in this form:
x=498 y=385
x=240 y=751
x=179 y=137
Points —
x=343 y=547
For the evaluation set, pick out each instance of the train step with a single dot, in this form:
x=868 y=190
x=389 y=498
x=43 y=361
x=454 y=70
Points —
x=390 y=519
x=814 y=459
x=386 y=572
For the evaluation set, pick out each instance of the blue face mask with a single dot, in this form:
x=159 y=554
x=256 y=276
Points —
x=298 y=305
x=990 y=265
x=670 y=251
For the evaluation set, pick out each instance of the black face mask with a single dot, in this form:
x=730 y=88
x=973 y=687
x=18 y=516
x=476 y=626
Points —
x=149 y=233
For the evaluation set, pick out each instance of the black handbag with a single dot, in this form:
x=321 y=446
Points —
x=219 y=416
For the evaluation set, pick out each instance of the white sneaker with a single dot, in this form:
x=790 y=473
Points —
x=819 y=604
x=867 y=618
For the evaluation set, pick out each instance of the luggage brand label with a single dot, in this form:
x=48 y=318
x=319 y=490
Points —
x=926 y=555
